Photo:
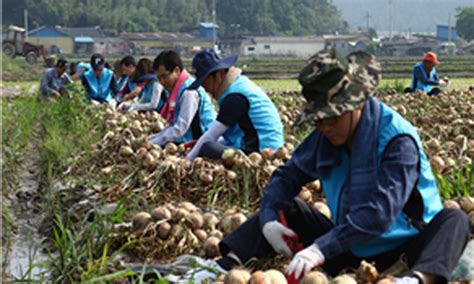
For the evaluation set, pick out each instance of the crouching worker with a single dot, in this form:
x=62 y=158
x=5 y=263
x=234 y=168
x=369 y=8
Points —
x=152 y=96
x=189 y=113
x=129 y=87
x=425 y=77
x=99 y=82
x=377 y=180
x=54 y=80
x=248 y=120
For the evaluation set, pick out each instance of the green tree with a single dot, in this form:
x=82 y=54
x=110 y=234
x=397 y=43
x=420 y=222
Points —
x=465 y=23
x=297 y=17
x=372 y=33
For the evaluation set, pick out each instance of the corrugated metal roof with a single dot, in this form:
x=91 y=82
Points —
x=286 y=39
x=353 y=37
x=92 y=32
x=159 y=36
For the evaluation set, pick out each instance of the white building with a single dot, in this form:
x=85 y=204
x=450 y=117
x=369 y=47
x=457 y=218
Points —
x=299 y=46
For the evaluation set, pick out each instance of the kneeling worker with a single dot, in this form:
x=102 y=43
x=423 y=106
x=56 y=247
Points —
x=377 y=180
x=99 y=82
x=425 y=77
x=53 y=81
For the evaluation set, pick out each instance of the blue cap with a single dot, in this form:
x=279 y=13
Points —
x=97 y=62
x=206 y=62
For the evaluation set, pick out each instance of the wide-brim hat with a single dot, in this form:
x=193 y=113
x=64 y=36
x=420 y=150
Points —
x=208 y=61
x=333 y=84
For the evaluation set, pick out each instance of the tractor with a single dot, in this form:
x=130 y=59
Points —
x=15 y=45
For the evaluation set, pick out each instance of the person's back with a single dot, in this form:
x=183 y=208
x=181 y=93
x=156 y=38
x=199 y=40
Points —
x=247 y=120
x=260 y=126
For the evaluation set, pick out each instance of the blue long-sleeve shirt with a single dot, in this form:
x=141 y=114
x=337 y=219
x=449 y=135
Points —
x=419 y=75
x=396 y=179
x=52 y=82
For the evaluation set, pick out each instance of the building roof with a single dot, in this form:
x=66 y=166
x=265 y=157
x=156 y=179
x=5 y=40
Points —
x=16 y=29
x=46 y=31
x=285 y=39
x=159 y=36
x=350 y=37
x=208 y=25
x=93 y=32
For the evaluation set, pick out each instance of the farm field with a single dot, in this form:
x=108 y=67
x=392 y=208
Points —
x=271 y=68
x=107 y=199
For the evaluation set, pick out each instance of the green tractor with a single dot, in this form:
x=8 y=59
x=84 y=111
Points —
x=15 y=45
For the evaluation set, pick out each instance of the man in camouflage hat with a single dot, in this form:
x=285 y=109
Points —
x=376 y=179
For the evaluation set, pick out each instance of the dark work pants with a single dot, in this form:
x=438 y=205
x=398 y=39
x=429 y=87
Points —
x=436 y=250
x=212 y=150
x=433 y=92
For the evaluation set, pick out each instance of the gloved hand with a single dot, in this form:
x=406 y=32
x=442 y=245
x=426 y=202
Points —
x=124 y=107
x=443 y=83
x=154 y=138
x=304 y=261
x=274 y=232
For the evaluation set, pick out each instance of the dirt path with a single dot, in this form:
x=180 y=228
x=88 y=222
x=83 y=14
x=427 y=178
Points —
x=25 y=240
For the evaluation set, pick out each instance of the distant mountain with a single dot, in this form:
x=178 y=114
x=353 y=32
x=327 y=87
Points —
x=415 y=15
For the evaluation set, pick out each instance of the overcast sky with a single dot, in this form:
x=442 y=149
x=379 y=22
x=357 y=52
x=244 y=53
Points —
x=417 y=15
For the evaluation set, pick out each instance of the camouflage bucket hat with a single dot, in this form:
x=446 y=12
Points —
x=334 y=84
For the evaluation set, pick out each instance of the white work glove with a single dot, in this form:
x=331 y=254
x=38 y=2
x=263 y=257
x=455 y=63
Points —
x=305 y=260
x=274 y=232
x=154 y=139
x=113 y=103
x=124 y=107
x=56 y=94
x=443 y=83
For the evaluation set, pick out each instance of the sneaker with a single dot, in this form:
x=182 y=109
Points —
x=205 y=270
x=407 y=280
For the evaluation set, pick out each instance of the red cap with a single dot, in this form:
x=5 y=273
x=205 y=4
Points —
x=431 y=57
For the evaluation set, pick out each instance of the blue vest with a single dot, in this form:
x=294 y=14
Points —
x=147 y=94
x=390 y=125
x=419 y=85
x=82 y=65
x=99 y=88
x=206 y=112
x=262 y=113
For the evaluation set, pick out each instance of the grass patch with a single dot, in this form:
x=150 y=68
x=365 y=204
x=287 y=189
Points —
x=385 y=85
x=19 y=116
x=459 y=183
x=17 y=69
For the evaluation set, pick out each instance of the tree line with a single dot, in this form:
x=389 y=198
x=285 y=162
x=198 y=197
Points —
x=234 y=17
